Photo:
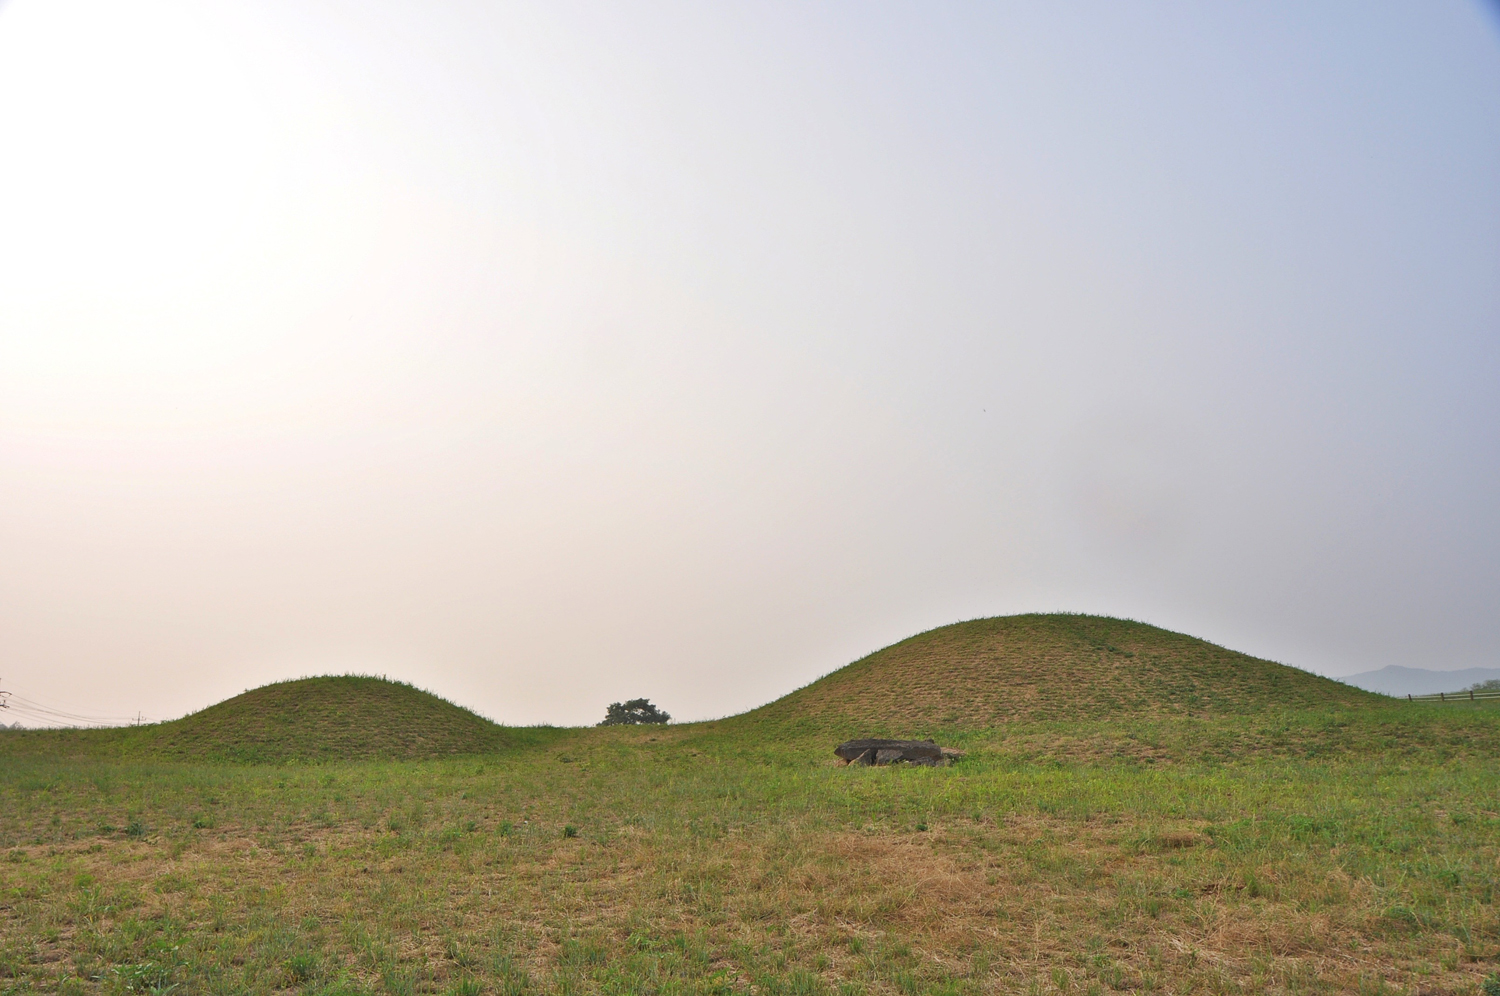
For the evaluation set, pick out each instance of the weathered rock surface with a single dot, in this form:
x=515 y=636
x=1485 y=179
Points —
x=876 y=751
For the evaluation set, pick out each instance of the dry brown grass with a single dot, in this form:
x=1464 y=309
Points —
x=1022 y=904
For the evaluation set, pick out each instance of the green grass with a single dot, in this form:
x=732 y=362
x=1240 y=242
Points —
x=703 y=860
x=1322 y=842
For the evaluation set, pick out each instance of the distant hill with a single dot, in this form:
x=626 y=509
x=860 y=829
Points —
x=988 y=672
x=312 y=719
x=1398 y=680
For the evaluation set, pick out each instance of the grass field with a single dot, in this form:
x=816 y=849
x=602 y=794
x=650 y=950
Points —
x=1338 y=844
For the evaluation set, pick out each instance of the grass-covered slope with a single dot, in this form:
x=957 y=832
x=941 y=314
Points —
x=332 y=717
x=312 y=719
x=989 y=672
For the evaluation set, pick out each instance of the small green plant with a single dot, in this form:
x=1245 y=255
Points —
x=570 y=831
x=1491 y=985
x=301 y=967
x=170 y=883
x=135 y=829
x=461 y=956
x=145 y=977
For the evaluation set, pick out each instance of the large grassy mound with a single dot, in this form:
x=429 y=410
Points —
x=988 y=672
x=312 y=719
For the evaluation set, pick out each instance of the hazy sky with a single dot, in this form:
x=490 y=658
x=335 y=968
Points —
x=549 y=354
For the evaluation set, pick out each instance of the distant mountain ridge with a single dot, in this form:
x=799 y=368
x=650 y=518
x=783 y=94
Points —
x=1397 y=680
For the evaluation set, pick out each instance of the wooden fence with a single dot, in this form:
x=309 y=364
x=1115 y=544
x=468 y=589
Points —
x=1469 y=696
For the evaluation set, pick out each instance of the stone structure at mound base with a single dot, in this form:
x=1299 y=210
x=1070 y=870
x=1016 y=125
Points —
x=875 y=751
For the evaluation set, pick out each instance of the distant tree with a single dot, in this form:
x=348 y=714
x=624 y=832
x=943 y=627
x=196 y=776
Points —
x=632 y=712
x=1493 y=685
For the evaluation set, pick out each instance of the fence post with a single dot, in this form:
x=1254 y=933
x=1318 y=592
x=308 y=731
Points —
x=1471 y=695
x=1443 y=696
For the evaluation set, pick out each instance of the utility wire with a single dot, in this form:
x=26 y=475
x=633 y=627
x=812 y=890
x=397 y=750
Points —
x=36 y=711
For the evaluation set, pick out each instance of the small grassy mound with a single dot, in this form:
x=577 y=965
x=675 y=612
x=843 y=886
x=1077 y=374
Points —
x=311 y=719
x=331 y=718
x=1048 y=668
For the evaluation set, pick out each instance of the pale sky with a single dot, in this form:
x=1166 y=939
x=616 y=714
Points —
x=551 y=354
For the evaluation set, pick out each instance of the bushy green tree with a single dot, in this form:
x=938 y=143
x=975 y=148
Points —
x=632 y=712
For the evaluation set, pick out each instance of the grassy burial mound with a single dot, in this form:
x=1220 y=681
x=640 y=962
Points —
x=331 y=718
x=988 y=672
x=311 y=719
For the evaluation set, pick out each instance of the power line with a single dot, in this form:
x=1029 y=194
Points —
x=21 y=706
